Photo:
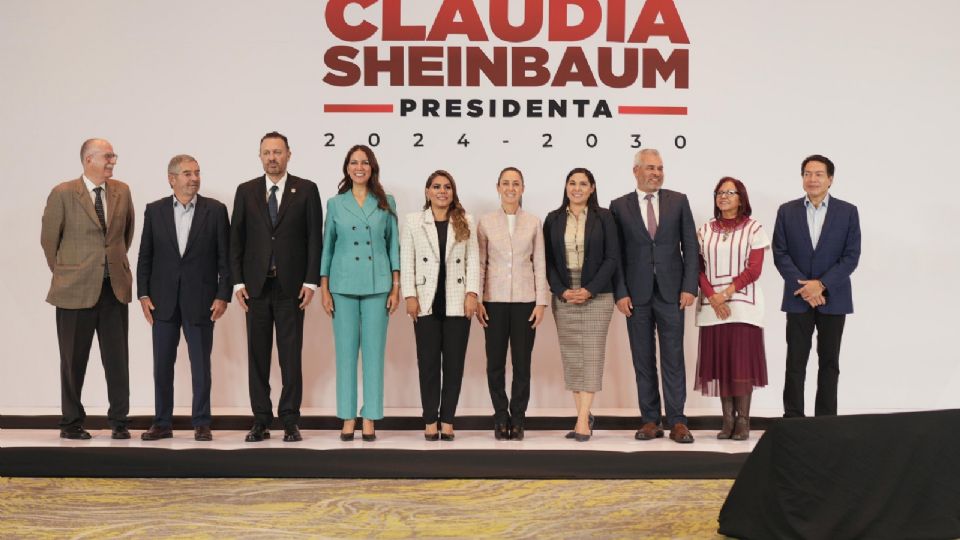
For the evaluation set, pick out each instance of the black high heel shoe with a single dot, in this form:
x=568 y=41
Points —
x=348 y=436
x=590 y=421
x=435 y=436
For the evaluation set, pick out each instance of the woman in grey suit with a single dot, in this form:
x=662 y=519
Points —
x=440 y=281
x=582 y=257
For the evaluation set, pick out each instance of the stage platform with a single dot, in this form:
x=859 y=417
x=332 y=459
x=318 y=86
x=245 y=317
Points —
x=400 y=451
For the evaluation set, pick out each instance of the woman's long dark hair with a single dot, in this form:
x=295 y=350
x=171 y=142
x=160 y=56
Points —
x=456 y=213
x=592 y=202
x=373 y=184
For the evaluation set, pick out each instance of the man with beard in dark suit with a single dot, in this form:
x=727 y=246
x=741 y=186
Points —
x=275 y=245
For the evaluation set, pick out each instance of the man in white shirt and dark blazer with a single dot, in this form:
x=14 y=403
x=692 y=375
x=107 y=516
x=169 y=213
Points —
x=658 y=279
x=816 y=247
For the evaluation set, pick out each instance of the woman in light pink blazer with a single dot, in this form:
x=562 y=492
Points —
x=513 y=278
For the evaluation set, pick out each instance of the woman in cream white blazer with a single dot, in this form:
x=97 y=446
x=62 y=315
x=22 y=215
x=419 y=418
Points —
x=440 y=281
x=513 y=274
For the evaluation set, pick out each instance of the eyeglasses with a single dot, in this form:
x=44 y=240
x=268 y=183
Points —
x=728 y=193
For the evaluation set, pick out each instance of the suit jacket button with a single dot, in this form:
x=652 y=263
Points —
x=368 y=242
x=458 y=261
x=459 y=280
x=424 y=259
x=367 y=227
x=369 y=258
x=357 y=258
x=354 y=227
x=356 y=243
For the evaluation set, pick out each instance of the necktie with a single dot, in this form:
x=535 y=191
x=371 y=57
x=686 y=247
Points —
x=273 y=210
x=98 y=206
x=651 y=216
x=272 y=206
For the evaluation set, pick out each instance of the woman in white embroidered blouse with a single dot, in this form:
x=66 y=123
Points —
x=731 y=360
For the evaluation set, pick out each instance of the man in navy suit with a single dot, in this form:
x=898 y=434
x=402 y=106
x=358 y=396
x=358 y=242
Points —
x=816 y=246
x=658 y=279
x=183 y=283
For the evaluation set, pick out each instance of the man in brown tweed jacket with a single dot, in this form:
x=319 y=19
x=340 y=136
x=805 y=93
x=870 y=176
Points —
x=86 y=232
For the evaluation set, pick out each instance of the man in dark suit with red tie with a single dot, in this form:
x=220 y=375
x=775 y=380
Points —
x=183 y=283
x=657 y=280
x=275 y=245
x=816 y=247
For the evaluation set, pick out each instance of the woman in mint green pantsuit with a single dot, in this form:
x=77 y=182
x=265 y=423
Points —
x=360 y=284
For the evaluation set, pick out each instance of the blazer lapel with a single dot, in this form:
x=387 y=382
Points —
x=113 y=204
x=430 y=230
x=261 y=195
x=592 y=218
x=827 y=223
x=801 y=219
x=559 y=240
x=634 y=211
x=349 y=203
x=289 y=196
x=86 y=202
x=167 y=224
x=199 y=215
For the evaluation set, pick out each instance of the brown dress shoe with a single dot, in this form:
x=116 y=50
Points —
x=156 y=433
x=202 y=433
x=681 y=434
x=648 y=431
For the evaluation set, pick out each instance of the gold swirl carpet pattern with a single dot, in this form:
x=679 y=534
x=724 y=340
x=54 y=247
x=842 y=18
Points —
x=277 y=508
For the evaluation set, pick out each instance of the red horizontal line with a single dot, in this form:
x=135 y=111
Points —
x=358 y=108
x=638 y=109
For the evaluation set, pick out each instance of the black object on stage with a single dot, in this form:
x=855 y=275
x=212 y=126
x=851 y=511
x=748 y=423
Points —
x=864 y=476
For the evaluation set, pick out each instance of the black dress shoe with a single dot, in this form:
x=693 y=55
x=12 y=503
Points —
x=447 y=436
x=516 y=431
x=75 y=432
x=501 y=431
x=156 y=433
x=120 y=432
x=346 y=437
x=368 y=437
x=432 y=436
x=257 y=433
x=292 y=434
x=202 y=433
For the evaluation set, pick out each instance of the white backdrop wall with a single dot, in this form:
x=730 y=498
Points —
x=872 y=85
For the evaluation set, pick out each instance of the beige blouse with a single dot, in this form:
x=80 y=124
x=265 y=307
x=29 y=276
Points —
x=573 y=238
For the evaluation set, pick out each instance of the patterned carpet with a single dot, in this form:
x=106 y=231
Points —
x=271 y=508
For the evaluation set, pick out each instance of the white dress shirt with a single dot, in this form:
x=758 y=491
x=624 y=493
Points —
x=656 y=205
x=93 y=195
x=816 y=217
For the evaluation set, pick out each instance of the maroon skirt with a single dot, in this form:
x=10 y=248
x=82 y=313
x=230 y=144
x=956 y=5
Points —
x=731 y=360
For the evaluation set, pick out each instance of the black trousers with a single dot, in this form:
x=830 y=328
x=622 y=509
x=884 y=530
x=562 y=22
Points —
x=166 y=338
x=800 y=327
x=109 y=319
x=509 y=325
x=441 y=351
x=275 y=308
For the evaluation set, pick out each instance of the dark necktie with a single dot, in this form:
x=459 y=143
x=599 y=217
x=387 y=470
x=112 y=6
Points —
x=272 y=205
x=98 y=206
x=651 y=217
x=272 y=209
